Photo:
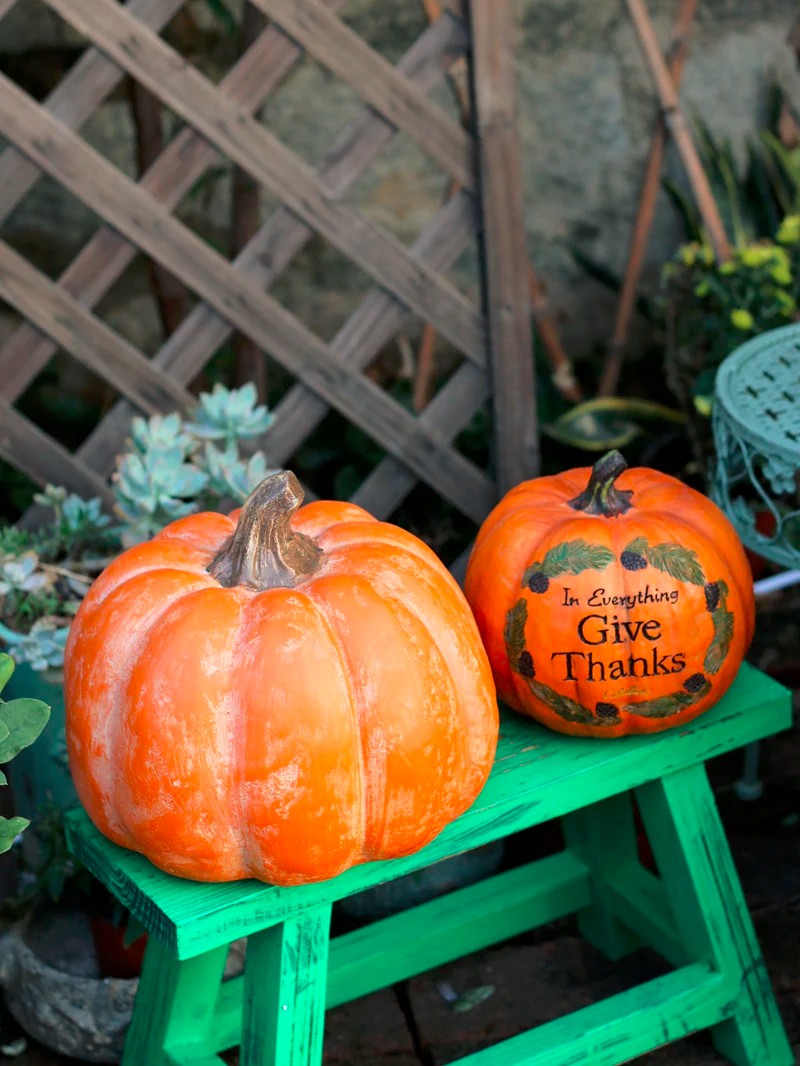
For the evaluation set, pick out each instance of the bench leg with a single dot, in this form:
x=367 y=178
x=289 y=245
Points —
x=603 y=836
x=174 y=1004
x=286 y=973
x=711 y=913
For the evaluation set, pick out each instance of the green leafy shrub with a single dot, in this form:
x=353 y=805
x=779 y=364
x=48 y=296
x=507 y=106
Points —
x=21 y=722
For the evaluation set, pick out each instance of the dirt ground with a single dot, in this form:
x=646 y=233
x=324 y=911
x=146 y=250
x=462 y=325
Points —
x=456 y=1009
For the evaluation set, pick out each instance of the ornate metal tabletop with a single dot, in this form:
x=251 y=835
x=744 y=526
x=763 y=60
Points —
x=756 y=422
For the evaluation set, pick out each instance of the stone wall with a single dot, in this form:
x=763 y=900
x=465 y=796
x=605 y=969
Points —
x=587 y=107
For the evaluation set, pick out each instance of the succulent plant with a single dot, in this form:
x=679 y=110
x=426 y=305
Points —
x=172 y=467
x=230 y=416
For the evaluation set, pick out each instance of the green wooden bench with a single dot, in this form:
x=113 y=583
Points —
x=693 y=914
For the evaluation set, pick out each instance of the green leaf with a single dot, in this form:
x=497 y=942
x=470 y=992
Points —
x=723 y=633
x=514 y=630
x=608 y=422
x=565 y=707
x=666 y=706
x=6 y=669
x=638 y=546
x=10 y=828
x=24 y=719
x=677 y=561
x=575 y=556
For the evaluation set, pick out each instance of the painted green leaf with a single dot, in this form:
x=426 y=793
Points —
x=565 y=707
x=677 y=561
x=638 y=546
x=666 y=706
x=24 y=719
x=575 y=556
x=514 y=630
x=723 y=633
x=10 y=828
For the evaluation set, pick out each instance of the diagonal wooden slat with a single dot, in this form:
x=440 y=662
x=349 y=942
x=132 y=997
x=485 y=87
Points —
x=44 y=460
x=369 y=328
x=283 y=236
x=451 y=410
x=117 y=199
x=85 y=85
x=246 y=141
x=105 y=257
x=107 y=254
x=337 y=47
x=107 y=354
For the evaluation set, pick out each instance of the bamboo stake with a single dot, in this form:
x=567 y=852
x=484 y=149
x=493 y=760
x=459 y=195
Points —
x=679 y=50
x=562 y=373
x=679 y=130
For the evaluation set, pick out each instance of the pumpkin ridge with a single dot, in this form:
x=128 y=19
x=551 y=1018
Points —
x=402 y=612
x=110 y=807
x=347 y=670
x=173 y=606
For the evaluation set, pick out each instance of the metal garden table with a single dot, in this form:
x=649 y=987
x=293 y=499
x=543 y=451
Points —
x=756 y=473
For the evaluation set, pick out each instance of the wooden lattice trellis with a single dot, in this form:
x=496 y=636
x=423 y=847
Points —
x=233 y=295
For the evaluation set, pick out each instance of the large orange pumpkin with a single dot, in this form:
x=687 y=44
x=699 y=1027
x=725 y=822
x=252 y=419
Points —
x=279 y=698
x=621 y=606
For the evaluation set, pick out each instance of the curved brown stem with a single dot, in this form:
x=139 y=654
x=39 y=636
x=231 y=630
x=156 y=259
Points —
x=600 y=496
x=264 y=551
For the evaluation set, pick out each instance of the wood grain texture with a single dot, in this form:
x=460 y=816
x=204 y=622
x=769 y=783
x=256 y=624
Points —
x=85 y=337
x=621 y=1027
x=175 y=1000
x=35 y=454
x=105 y=257
x=251 y=146
x=433 y=933
x=516 y=446
x=537 y=775
x=688 y=840
x=603 y=837
x=284 y=992
x=85 y=85
x=374 y=79
x=122 y=203
x=282 y=237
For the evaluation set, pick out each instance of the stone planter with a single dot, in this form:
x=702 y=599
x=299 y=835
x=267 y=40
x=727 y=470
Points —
x=73 y=1013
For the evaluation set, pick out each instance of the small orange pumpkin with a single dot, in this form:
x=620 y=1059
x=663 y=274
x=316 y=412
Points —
x=624 y=606
x=279 y=698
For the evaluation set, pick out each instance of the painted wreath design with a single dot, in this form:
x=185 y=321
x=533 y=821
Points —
x=575 y=556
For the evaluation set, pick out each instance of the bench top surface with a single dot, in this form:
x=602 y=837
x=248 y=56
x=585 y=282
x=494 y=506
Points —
x=538 y=775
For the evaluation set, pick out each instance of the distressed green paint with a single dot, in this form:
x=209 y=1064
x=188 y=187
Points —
x=711 y=912
x=603 y=837
x=284 y=991
x=176 y=1002
x=695 y=916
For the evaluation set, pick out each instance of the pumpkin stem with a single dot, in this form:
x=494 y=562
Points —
x=264 y=551
x=601 y=497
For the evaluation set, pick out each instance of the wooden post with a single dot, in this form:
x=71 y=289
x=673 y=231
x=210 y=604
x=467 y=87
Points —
x=505 y=289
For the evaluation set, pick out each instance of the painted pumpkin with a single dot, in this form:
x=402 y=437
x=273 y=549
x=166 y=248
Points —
x=280 y=697
x=621 y=606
